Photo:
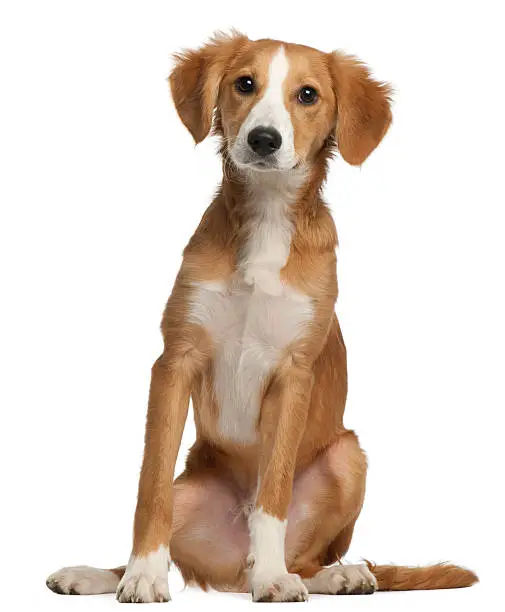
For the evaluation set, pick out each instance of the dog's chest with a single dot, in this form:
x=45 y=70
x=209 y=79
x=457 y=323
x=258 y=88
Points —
x=253 y=316
x=250 y=329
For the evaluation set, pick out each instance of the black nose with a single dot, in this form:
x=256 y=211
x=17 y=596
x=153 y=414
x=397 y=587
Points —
x=264 y=140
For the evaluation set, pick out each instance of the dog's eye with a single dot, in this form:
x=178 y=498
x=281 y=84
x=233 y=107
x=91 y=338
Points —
x=245 y=85
x=307 y=95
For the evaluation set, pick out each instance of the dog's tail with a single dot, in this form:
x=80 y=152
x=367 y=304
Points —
x=439 y=576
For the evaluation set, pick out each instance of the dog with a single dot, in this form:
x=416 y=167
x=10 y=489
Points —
x=274 y=483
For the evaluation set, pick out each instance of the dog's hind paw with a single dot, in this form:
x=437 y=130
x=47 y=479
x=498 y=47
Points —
x=343 y=580
x=82 y=580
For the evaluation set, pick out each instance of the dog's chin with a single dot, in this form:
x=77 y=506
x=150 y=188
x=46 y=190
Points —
x=262 y=165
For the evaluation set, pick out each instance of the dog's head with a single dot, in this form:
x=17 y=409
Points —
x=278 y=104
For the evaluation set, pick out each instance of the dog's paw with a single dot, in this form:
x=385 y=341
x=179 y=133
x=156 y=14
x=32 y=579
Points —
x=287 y=587
x=143 y=588
x=145 y=579
x=82 y=580
x=343 y=580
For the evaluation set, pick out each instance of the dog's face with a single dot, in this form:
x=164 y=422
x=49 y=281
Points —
x=278 y=104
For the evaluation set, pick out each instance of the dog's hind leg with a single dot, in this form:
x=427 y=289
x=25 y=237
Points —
x=327 y=499
x=210 y=539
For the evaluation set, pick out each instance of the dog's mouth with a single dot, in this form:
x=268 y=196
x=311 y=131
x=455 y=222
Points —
x=261 y=164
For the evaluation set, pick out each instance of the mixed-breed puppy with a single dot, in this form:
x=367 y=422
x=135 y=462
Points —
x=274 y=483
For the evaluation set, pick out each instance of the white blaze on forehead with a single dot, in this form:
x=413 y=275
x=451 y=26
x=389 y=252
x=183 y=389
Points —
x=271 y=111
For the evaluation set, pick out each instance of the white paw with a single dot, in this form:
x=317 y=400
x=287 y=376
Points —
x=287 y=587
x=343 y=580
x=82 y=580
x=143 y=588
x=145 y=579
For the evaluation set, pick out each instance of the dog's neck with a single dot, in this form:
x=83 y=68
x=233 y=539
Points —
x=266 y=208
x=268 y=227
x=249 y=193
x=279 y=186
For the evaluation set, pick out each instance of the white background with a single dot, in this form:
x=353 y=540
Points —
x=101 y=188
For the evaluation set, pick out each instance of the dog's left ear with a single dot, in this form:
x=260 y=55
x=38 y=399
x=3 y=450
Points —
x=195 y=81
x=363 y=108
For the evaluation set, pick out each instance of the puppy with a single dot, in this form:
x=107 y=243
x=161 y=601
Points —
x=274 y=483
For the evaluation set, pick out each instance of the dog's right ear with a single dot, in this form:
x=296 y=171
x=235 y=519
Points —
x=195 y=81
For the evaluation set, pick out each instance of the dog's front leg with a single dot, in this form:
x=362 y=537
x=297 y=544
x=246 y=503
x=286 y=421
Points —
x=145 y=578
x=282 y=423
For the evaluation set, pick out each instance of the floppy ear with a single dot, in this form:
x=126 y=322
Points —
x=363 y=108
x=195 y=81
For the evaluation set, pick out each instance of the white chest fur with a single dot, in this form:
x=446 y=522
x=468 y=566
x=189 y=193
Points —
x=254 y=316
x=249 y=328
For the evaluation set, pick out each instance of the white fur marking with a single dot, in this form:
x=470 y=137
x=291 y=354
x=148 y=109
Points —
x=267 y=546
x=249 y=328
x=268 y=573
x=270 y=111
x=145 y=578
x=269 y=228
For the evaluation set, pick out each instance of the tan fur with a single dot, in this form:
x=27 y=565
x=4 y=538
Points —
x=302 y=444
